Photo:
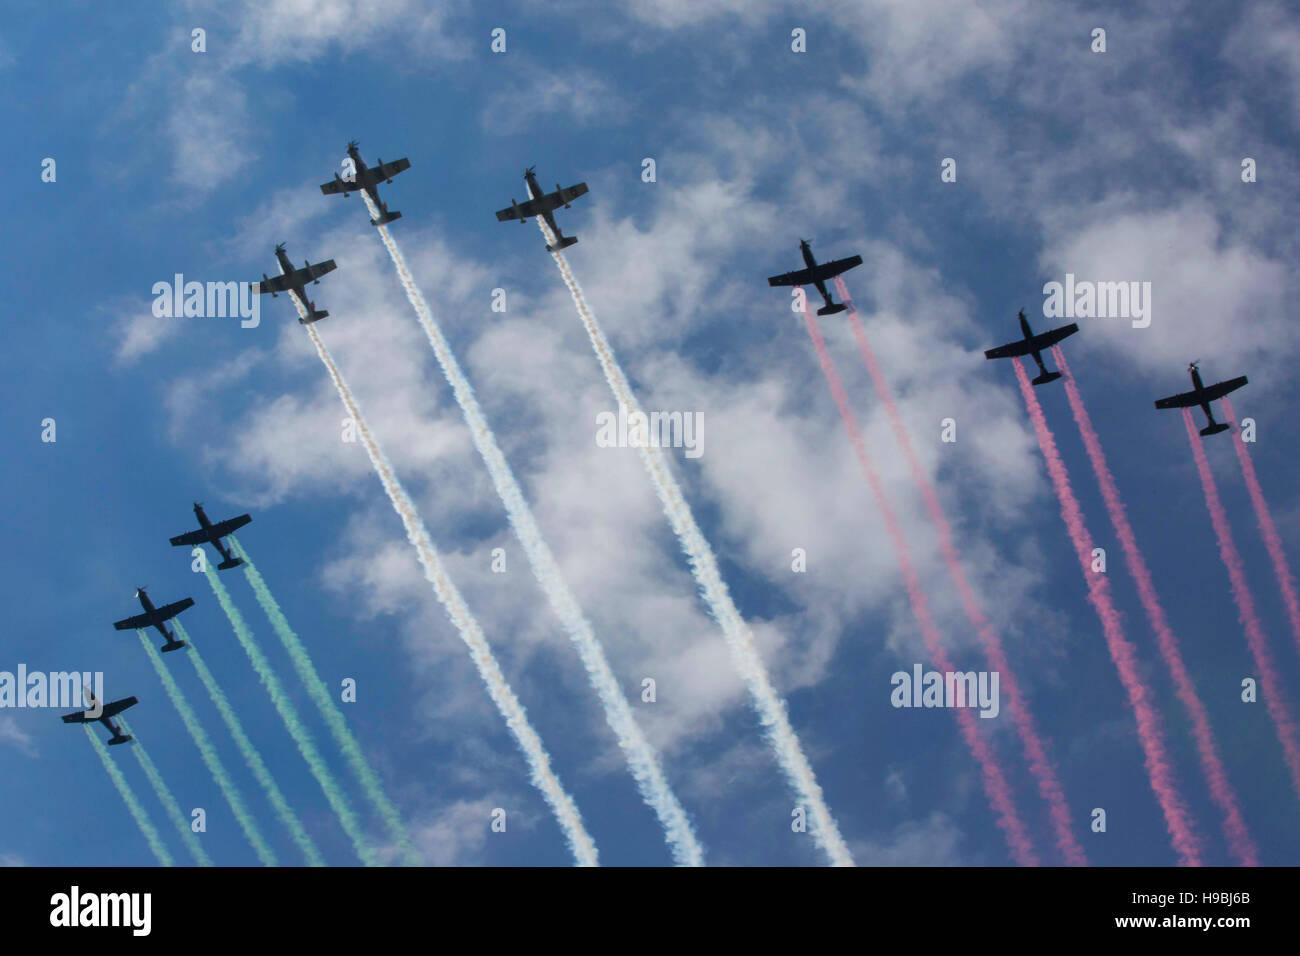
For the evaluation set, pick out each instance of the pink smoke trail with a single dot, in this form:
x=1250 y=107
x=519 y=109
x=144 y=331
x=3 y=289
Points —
x=1040 y=765
x=1273 y=697
x=995 y=783
x=1221 y=790
x=1264 y=517
x=1159 y=770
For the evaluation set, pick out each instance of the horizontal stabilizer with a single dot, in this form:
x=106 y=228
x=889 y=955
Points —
x=1047 y=377
x=172 y=645
x=232 y=563
x=1215 y=428
x=832 y=309
x=119 y=739
x=564 y=243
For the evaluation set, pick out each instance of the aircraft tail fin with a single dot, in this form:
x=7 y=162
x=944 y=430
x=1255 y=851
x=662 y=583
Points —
x=386 y=217
x=833 y=308
x=1047 y=377
x=172 y=645
x=119 y=739
x=1215 y=428
x=315 y=315
x=564 y=243
x=232 y=563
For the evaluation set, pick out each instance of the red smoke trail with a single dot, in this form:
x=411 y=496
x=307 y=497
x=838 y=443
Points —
x=995 y=784
x=1159 y=770
x=1273 y=699
x=1040 y=765
x=1221 y=790
x=1272 y=540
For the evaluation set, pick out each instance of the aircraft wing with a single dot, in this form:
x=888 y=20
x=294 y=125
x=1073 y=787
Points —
x=191 y=537
x=1219 y=389
x=533 y=207
x=169 y=611
x=829 y=270
x=798 y=277
x=117 y=706
x=298 y=277
x=389 y=170
x=338 y=186
x=568 y=194
x=1181 y=400
x=223 y=528
x=1045 y=340
x=279 y=283
x=140 y=620
x=1039 y=342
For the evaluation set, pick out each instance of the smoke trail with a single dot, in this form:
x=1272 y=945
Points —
x=539 y=762
x=704 y=566
x=1040 y=765
x=1264 y=517
x=1274 y=698
x=174 y=811
x=131 y=800
x=1221 y=789
x=251 y=757
x=334 y=720
x=334 y=795
x=641 y=757
x=995 y=784
x=210 y=757
x=1159 y=770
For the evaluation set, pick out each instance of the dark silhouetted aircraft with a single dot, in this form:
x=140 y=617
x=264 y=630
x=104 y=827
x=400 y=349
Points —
x=1202 y=395
x=154 y=617
x=817 y=275
x=368 y=178
x=544 y=205
x=293 y=281
x=105 y=717
x=1033 y=345
x=212 y=534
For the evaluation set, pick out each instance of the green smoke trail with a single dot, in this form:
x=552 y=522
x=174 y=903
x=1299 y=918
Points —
x=129 y=798
x=334 y=719
x=165 y=797
x=250 y=754
x=289 y=714
x=210 y=757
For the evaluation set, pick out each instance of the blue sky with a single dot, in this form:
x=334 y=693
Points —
x=1123 y=165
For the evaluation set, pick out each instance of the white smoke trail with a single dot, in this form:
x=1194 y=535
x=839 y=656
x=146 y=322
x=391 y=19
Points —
x=165 y=797
x=251 y=757
x=132 y=802
x=338 y=727
x=539 y=763
x=329 y=785
x=210 y=757
x=641 y=757
x=704 y=565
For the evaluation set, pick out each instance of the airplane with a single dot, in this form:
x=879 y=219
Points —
x=293 y=281
x=1033 y=345
x=543 y=205
x=154 y=617
x=817 y=275
x=106 y=717
x=210 y=533
x=367 y=178
x=1202 y=395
